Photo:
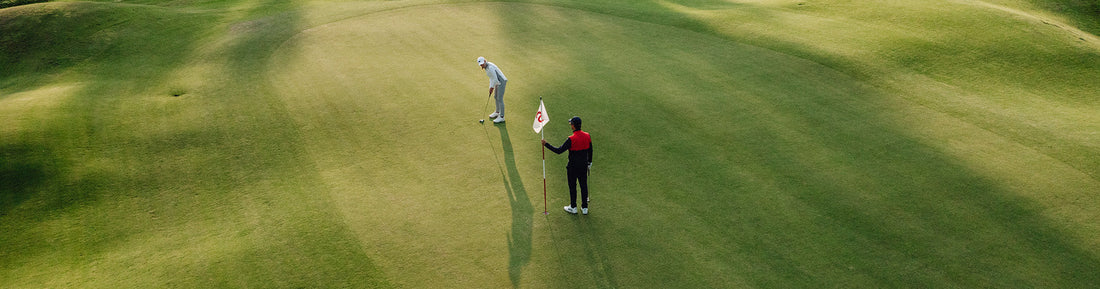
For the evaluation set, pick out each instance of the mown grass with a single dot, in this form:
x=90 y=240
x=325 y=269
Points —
x=146 y=189
x=739 y=144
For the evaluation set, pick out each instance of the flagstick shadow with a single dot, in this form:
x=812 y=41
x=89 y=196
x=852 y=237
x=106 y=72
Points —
x=595 y=255
x=519 y=241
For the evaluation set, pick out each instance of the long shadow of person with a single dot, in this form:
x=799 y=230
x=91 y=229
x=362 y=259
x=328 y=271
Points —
x=519 y=242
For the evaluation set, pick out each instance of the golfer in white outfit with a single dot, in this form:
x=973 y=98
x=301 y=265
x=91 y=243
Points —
x=497 y=81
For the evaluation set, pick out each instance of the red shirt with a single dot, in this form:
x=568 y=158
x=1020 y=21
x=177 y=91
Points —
x=580 y=141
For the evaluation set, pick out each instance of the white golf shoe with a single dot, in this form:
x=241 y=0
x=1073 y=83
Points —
x=494 y=115
x=571 y=210
x=499 y=120
x=584 y=211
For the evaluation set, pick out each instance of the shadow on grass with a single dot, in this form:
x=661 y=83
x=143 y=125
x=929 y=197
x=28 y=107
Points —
x=929 y=216
x=595 y=252
x=519 y=241
x=23 y=171
x=266 y=139
x=146 y=46
x=812 y=188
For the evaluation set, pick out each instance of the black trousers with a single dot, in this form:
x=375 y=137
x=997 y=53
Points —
x=578 y=174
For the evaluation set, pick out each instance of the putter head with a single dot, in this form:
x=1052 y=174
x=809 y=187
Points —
x=481 y=121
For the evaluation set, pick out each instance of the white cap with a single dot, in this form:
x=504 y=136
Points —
x=480 y=61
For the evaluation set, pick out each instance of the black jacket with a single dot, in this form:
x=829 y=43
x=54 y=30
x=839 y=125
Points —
x=578 y=158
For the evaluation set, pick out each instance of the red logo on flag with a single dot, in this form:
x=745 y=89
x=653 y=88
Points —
x=541 y=118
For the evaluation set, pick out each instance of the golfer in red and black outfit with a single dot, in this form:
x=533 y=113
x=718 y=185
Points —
x=580 y=160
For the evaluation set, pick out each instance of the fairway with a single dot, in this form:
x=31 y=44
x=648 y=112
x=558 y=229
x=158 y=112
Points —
x=738 y=144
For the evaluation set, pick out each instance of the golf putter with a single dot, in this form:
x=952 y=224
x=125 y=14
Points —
x=485 y=107
x=487 y=102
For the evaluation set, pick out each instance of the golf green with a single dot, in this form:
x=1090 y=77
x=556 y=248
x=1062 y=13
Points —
x=738 y=144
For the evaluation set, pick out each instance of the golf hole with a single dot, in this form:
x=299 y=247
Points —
x=177 y=92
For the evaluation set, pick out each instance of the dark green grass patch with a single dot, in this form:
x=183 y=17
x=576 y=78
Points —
x=12 y=3
x=190 y=191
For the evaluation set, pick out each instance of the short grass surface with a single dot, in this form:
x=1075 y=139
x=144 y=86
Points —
x=738 y=144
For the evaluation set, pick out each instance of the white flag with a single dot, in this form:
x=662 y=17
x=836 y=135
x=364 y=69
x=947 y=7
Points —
x=541 y=118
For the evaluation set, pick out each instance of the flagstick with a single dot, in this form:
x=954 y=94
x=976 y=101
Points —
x=544 y=211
